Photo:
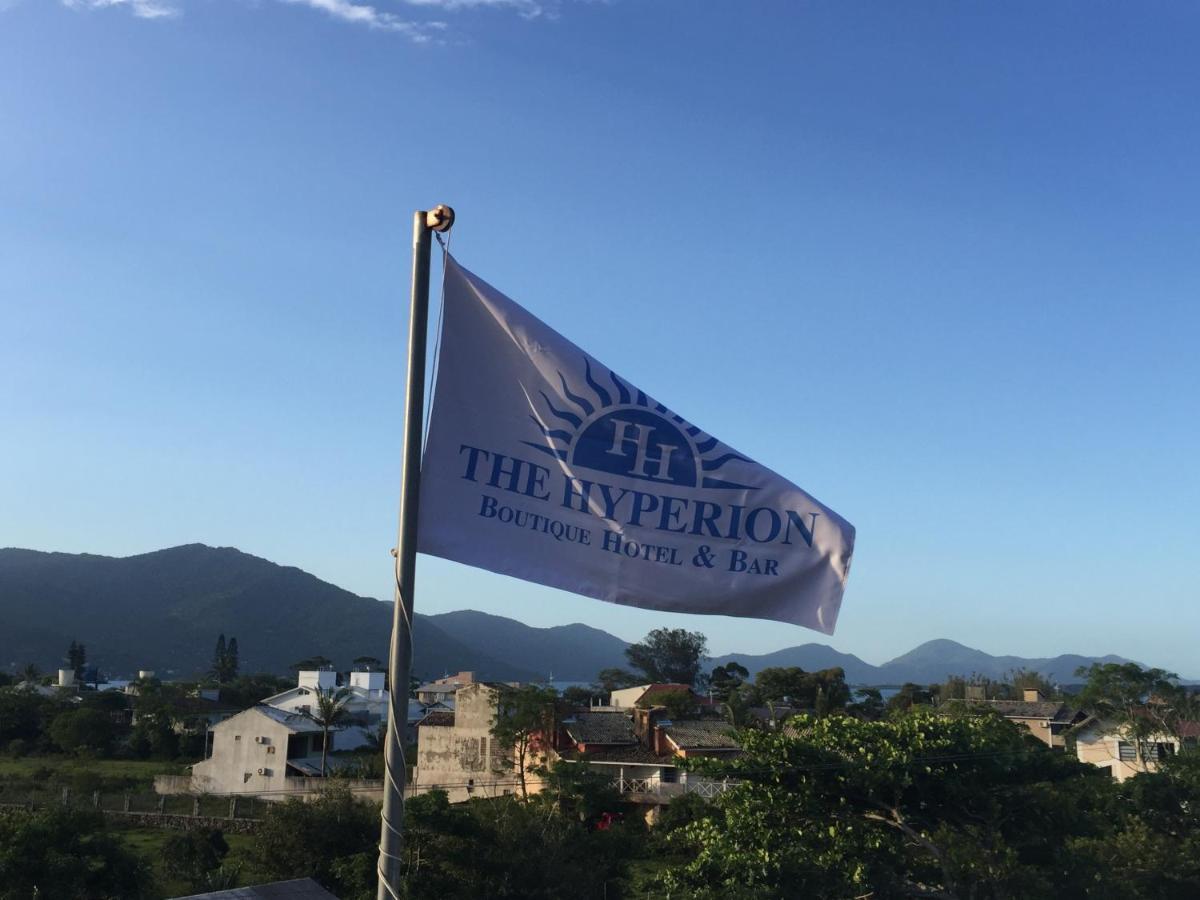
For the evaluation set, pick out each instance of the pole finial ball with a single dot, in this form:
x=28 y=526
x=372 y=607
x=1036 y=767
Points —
x=440 y=218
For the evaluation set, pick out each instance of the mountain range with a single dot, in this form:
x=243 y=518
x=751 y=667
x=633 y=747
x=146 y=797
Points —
x=163 y=611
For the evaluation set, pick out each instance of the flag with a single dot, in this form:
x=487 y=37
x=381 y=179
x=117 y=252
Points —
x=544 y=464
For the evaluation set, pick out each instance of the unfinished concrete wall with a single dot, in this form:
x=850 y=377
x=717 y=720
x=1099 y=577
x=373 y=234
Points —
x=249 y=756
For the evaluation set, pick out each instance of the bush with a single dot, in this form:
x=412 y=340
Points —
x=83 y=731
x=193 y=855
x=62 y=853
x=18 y=747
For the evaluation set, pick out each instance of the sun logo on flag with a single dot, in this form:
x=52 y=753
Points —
x=620 y=431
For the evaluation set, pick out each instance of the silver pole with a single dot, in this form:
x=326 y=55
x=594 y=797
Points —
x=400 y=656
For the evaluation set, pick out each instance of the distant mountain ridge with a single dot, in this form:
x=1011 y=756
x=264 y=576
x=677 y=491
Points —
x=931 y=662
x=163 y=611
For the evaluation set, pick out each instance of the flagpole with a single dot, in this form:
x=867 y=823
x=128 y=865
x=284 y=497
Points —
x=425 y=222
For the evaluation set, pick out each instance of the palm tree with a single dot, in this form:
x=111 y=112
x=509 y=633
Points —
x=330 y=713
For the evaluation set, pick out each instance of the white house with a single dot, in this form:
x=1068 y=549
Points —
x=366 y=703
x=1104 y=744
x=256 y=751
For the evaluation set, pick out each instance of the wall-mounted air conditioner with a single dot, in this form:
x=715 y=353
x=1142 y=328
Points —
x=264 y=771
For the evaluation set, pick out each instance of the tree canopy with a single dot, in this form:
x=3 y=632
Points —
x=921 y=805
x=669 y=655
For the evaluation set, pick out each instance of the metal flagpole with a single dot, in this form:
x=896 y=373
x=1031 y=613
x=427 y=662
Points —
x=400 y=655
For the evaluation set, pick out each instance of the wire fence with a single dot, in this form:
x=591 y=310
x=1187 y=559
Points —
x=134 y=803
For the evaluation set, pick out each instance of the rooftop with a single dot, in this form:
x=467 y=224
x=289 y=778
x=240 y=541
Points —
x=295 y=722
x=297 y=889
x=700 y=734
x=1031 y=709
x=601 y=728
x=633 y=754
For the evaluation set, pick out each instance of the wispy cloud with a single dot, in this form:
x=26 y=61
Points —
x=143 y=9
x=530 y=9
x=371 y=15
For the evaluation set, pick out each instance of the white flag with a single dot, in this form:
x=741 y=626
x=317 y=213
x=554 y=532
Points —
x=544 y=464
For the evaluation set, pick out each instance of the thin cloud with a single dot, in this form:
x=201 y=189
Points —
x=352 y=12
x=143 y=9
x=529 y=9
x=363 y=14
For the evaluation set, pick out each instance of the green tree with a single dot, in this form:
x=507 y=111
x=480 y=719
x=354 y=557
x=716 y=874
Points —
x=225 y=660
x=524 y=717
x=680 y=704
x=868 y=705
x=325 y=839
x=330 y=713
x=56 y=852
x=1023 y=680
x=192 y=856
x=1141 y=703
x=83 y=730
x=823 y=691
x=504 y=849
x=614 y=679
x=909 y=696
x=25 y=715
x=311 y=664
x=724 y=680
x=736 y=709
x=578 y=790
x=245 y=691
x=578 y=696
x=916 y=806
x=669 y=655
x=77 y=658
x=369 y=663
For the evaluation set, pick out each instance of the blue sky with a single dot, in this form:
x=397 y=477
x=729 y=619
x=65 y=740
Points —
x=937 y=263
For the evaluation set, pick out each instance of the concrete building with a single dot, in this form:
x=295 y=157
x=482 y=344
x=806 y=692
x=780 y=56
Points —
x=457 y=753
x=256 y=751
x=443 y=690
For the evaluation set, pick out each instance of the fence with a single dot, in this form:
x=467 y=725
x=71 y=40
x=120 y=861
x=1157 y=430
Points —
x=300 y=788
x=668 y=789
x=197 y=806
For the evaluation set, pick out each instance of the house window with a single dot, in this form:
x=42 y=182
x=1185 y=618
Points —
x=1125 y=752
x=318 y=742
x=1156 y=751
x=667 y=775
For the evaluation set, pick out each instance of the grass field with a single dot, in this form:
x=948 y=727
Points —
x=148 y=843
x=64 y=769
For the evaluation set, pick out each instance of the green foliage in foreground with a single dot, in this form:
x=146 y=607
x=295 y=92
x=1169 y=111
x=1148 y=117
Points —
x=497 y=848
x=67 y=855
x=937 y=807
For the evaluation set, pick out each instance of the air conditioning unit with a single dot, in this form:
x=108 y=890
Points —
x=264 y=771
x=260 y=740
x=271 y=749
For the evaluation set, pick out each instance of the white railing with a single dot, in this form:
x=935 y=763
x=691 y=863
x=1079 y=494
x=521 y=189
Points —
x=707 y=789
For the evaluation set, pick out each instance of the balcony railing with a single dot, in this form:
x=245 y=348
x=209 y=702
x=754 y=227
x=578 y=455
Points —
x=654 y=786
